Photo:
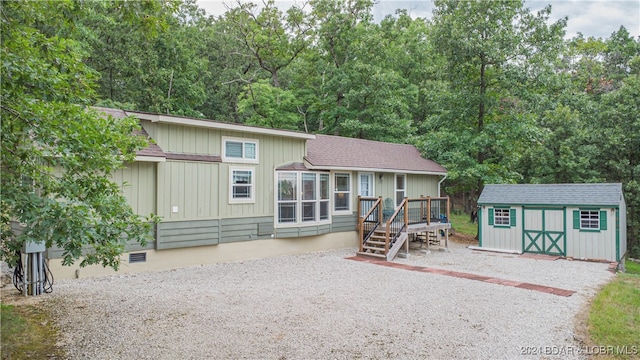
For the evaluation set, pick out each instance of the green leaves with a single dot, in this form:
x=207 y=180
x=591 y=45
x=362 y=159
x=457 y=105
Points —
x=493 y=51
x=56 y=153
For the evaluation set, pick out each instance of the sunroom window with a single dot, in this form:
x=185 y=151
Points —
x=309 y=204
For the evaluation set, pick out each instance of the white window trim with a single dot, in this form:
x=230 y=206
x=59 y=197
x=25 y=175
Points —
x=596 y=219
x=299 y=222
x=373 y=183
x=502 y=216
x=225 y=139
x=250 y=200
x=395 y=186
x=333 y=193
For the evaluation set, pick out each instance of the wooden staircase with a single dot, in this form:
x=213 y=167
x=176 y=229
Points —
x=383 y=232
x=375 y=245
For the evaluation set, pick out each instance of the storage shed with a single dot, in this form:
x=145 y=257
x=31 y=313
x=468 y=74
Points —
x=582 y=221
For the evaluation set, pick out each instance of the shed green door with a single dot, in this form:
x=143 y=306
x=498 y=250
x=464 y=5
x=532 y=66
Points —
x=544 y=231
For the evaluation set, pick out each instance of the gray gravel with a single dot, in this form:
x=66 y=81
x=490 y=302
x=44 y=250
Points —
x=321 y=306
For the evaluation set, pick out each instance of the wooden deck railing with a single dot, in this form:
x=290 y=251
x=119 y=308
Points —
x=371 y=219
x=423 y=210
x=395 y=224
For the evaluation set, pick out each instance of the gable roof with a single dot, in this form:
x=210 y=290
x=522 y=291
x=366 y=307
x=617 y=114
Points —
x=341 y=153
x=552 y=194
x=152 y=151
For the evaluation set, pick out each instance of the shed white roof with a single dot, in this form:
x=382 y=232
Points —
x=552 y=194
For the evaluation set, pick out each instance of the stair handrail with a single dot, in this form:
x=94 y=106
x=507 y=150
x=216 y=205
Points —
x=361 y=220
x=396 y=232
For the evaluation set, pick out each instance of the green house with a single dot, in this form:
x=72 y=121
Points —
x=228 y=192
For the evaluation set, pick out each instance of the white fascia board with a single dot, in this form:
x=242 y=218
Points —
x=392 y=171
x=150 y=159
x=219 y=125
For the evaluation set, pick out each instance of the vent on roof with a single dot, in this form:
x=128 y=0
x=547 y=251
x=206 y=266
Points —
x=137 y=257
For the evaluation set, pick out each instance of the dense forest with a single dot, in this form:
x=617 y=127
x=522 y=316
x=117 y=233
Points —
x=489 y=89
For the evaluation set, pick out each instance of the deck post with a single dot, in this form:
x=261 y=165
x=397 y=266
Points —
x=428 y=210
x=448 y=211
x=380 y=208
x=446 y=239
x=360 y=226
x=406 y=214
x=386 y=238
x=422 y=215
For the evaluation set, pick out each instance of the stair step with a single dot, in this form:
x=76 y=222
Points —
x=371 y=254
x=373 y=248
x=373 y=242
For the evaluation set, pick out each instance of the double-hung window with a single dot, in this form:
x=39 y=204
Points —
x=309 y=197
x=342 y=192
x=287 y=197
x=401 y=188
x=240 y=150
x=303 y=197
x=241 y=185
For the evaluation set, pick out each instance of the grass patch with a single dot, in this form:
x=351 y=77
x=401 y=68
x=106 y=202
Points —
x=26 y=333
x=632 y=267
x=614 y=318
x=462 y=224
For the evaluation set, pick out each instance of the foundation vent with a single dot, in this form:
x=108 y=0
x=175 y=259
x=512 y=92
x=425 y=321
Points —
x=137 y=257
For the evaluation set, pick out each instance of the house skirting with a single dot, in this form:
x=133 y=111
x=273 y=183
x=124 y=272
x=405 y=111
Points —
x=157 y=260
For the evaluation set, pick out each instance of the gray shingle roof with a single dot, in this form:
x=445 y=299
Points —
x=152 y=150
x=348 y=153
x=552 y=194
x=297 y=166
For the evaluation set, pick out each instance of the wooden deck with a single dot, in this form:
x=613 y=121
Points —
x=383 y=232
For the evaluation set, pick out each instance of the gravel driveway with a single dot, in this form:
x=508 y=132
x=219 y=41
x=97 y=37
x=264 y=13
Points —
x=323 y=306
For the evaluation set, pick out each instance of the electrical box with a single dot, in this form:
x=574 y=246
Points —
x=30 y=247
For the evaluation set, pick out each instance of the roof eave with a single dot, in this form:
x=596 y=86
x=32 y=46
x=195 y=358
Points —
x=145 y=158
x=378 y=170
x=167 y=119
x=515 y=203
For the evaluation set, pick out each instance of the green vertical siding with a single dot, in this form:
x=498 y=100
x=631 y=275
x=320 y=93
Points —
x=201 y=190
x=418 y=185
x=272 y=152
x=138 y=184
x=191 y=186
x=184 y=139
